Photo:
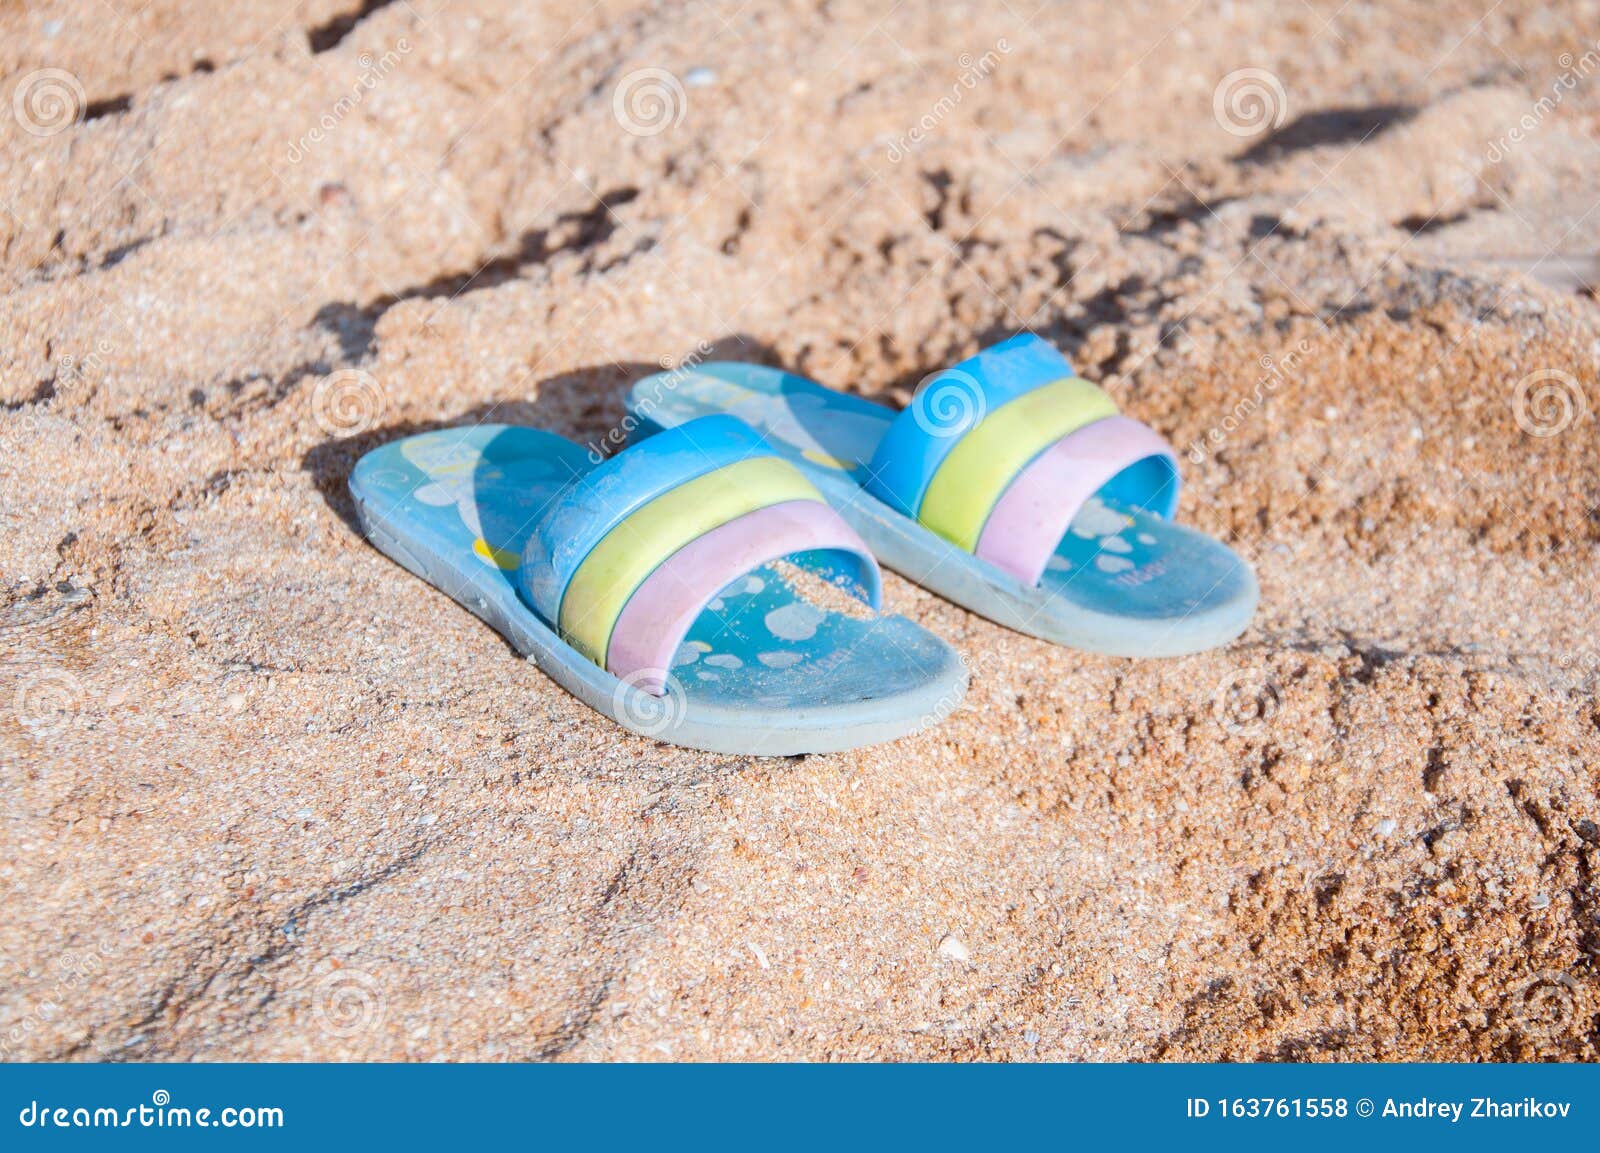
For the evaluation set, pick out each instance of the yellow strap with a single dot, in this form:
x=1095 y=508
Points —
x=625 y=556
x=984 y=462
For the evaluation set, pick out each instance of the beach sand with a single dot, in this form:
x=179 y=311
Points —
x=265 y=795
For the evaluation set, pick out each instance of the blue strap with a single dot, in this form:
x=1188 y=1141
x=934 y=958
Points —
x=951 y=404
x=602 y=499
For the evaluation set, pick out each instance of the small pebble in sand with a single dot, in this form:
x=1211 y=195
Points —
x=700 y=77
x=1541 y=900
x=954 y=948
x=1386 y=827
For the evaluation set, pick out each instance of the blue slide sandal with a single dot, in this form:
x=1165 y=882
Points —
x=666 y=587
x=1009 y=485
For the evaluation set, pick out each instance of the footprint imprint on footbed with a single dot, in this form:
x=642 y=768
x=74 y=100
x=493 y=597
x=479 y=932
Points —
x=794 y=622
x=689 y=652
x=1095 y=519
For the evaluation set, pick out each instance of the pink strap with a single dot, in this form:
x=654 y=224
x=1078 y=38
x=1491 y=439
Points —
x=659 y=613
x=1033 y=514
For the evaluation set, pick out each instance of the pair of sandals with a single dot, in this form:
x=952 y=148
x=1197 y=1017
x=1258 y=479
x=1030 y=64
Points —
x=699 y=586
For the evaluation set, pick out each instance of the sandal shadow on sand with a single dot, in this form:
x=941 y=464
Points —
x=1009 y=485
x=646 y=586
